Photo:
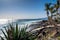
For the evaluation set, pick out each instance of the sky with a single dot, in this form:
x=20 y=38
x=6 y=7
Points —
x=23 y=9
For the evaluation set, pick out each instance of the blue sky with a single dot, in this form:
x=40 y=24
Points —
x=23 y=9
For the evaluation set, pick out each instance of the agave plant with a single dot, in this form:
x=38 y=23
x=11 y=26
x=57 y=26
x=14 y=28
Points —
x=16 y=33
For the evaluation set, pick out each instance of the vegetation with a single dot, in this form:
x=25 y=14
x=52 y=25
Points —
x=52 y=12
x=53 y=18
x=15 y=33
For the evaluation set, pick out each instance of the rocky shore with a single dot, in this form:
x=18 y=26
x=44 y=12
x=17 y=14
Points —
x=43 y=29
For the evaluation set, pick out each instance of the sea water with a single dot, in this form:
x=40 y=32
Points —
x=21 y=22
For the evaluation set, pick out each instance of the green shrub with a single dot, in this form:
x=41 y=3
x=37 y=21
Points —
x=16 y=33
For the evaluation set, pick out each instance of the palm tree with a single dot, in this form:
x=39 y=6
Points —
x=49 y=10
x=47 y=6
x=57 y=8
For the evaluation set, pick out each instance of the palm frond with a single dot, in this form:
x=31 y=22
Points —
x=4 y=34
x=1 y=38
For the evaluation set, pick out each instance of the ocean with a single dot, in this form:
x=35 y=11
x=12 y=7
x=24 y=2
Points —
x=21 y=23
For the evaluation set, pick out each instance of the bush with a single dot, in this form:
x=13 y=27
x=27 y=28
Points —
x=15 y=33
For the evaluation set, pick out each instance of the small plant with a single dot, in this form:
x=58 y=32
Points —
x=16 y=33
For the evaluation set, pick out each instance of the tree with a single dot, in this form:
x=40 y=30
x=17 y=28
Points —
x=47 y=7
x=57 y=9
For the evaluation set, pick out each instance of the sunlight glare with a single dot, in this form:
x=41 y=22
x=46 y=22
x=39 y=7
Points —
x=3 y=21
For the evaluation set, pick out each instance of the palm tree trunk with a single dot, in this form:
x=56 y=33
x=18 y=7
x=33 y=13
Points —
x=48 y=17
x=47 y=14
